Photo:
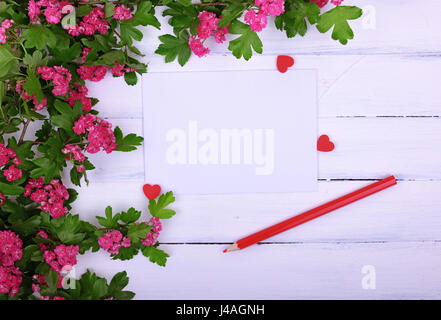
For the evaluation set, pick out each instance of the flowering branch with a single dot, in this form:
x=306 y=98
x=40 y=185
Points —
x=49 y=51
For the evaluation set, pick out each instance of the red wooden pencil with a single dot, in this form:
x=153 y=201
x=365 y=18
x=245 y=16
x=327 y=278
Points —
x=312 y=214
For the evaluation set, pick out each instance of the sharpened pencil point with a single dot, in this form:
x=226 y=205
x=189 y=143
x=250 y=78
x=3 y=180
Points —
x=233 y=247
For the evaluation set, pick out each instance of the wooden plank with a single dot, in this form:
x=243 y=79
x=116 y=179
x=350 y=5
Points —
x=365 y=148
x=355 y=85
x=307 y=271
x=402 y=26
x=408 y=211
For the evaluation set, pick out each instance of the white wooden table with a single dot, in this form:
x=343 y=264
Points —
x=380 y=102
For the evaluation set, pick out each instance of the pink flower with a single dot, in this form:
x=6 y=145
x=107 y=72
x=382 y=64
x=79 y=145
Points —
x=10 y=252
x=122 y=13
x=257 y=22
x=33 y=10
x=113 y=241
x=99 y=133
x=79 y=95
x=152 y=236
x=117 y=70
x=197 y=47
x=84 y=54
x=322 y=3
x=81 y=168
x=76 y=152
x=53 y=14
x=51 y=196
x=208 y=24
x=60 y=77
x=10 y=248
x=6 y=24
x=92 y=73
x=54 y=298
x=12 y=173
x=219 y=35
x=10 y=280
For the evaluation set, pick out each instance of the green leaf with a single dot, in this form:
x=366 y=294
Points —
x=32 y=86
x=68 y=229
x=129 y=32
x=231 y=12
x=155 y=255
x=157 y=209
x=145 y=16
x=243 y=46
x=127 y=143
x=35 y=60
x=109 y=221
x=118 y=282
x=8 y=63
x=52 y=281
x=185 y=3
x=338 y=18
x=138 y=232
x=130 y=216
x=130 y=78
x=108 y=9
x=11 y=189
x=293 y=20
x=29 y=226
x=172 y=47
x=38 y=36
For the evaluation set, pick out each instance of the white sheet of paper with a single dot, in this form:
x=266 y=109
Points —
x=231 y=132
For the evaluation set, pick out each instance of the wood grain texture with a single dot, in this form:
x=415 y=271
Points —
x=408 y=211
x=366 y=148
x=354 y=85
x=290 y=271
x=379 y=102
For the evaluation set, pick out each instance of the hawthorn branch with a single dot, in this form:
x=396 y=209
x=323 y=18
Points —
x=23 y=132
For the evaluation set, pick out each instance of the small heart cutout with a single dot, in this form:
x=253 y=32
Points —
x=151 y=192
x=284 y=62
x=324 y=144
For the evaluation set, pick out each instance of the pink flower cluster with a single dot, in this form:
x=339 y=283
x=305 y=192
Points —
x=62 y=257
x=122 y=13
x=118 y=70
x=97 y=73
x=75 y=152
x=54 y=298
x=12 y=173
x=99 y=133
x=259 y=21
x=60 y=77
x=152 y=236
x=50 y=196
x=92 y=73
x=6 y=24
x=208 y=26
x=37 y=105
x=322 y=3
x=91 y=23
x=52 y=13
x=79 y=93
x=10 y=252
x=113 y=241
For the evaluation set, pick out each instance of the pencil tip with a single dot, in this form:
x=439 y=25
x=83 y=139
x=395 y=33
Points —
x=233 y=247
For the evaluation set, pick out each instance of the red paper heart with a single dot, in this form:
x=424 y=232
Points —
x=324 y=144
x=284 y=62
x=151 y=192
